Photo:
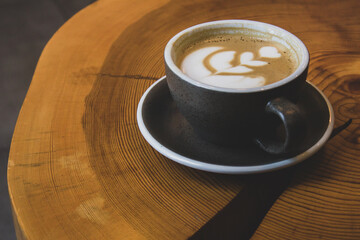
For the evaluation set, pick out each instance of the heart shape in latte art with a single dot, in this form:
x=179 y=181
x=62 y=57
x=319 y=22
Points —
x=220 y=67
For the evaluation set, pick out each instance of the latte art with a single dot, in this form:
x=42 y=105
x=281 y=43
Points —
x=212 y=70
x=237 y=62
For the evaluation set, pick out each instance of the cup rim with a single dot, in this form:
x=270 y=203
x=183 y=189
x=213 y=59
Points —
x=299 y=70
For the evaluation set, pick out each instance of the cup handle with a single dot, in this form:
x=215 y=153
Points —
x=293 y=127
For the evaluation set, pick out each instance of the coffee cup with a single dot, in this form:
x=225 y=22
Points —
x=238 y=81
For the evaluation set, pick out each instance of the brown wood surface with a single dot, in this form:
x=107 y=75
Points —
x=80 y=169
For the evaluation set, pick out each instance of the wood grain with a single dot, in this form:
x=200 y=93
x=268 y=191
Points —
x=80 y=169
x=323 y=200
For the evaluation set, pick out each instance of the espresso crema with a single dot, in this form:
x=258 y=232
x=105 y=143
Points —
x=235 y=60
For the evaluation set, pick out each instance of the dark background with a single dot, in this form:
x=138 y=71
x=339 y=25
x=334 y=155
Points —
x=25 y=28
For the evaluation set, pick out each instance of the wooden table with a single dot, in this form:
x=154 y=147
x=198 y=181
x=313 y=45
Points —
x=80 y=169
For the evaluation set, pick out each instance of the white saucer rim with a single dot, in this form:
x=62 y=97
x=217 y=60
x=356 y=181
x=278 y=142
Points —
x=226 y=169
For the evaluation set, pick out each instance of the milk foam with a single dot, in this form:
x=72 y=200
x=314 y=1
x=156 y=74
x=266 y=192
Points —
x=222 y=73
x=193 y=66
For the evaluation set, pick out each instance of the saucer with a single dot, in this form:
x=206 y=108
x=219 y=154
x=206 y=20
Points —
x=166 y=130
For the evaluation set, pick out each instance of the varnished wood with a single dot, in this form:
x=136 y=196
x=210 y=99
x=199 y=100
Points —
x=80 y=169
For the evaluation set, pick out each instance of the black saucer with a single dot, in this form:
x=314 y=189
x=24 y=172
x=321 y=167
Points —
x=169 y=133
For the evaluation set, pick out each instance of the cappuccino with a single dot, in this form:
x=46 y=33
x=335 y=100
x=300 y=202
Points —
x=236 y=60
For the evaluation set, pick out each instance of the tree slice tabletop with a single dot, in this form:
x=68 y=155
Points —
x=79 y=167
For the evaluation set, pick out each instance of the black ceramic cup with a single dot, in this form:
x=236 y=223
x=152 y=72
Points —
x=230 y=116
